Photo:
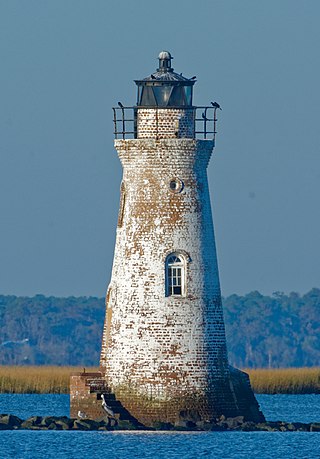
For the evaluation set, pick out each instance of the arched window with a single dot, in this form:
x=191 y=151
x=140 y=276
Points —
x=175 y=274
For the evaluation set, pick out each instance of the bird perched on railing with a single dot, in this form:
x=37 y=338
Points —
x=216 y=105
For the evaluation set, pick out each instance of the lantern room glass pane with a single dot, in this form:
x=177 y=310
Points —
x=162 y=94
x=147 y=97
x=177 y=97
x=139 y=95
x=188 y=94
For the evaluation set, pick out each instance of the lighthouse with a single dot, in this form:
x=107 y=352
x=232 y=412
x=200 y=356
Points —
x=164 y=354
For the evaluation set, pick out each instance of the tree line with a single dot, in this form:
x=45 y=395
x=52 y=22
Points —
x=262 y=331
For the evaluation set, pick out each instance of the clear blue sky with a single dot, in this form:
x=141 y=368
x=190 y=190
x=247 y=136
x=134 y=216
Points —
x=64 y=64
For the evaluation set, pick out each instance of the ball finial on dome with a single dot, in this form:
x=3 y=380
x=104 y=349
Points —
x=165 y=61
x=165 y=55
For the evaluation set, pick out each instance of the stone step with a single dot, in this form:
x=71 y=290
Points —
x=120 y=412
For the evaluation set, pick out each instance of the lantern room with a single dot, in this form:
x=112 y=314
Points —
x=165 y=88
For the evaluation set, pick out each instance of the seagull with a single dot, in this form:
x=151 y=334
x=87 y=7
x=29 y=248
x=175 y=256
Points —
x=106 y=408
x=120 y=105
x=153 y=77
x=193 y=78
x=81 y=415
x=216 y=105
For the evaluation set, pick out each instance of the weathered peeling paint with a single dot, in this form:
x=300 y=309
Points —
x=164 y=357
x=164 y=345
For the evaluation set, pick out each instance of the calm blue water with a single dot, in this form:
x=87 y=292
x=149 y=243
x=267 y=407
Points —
x=158 y=445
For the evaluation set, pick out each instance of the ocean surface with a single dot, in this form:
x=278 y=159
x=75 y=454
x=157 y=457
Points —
x=167 y=445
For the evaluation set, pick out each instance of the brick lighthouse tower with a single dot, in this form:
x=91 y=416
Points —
x=164 y=355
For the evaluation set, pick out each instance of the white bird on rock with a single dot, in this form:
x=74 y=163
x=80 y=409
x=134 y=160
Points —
x=81 y=415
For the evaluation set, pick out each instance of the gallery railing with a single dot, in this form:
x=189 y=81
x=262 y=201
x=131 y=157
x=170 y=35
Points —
x=125 y=122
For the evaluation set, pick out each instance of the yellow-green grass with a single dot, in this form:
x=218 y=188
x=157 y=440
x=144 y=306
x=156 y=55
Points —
x=285 y=380
x=55 y=380
x=36 y=379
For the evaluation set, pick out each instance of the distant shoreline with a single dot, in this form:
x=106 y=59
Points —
x=55 y=380
x=276 y=331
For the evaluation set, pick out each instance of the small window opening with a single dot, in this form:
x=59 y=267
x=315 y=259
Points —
x=175 y=275
x=176 y=185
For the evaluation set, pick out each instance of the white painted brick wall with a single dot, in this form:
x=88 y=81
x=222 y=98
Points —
x=165 y=123
x=164 y=345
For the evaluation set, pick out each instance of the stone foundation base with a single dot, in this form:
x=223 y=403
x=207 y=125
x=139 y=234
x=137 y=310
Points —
x=232 y=398
x=246 y=402
x=85 y=395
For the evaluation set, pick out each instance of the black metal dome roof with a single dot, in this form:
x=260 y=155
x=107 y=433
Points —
x=165 y=72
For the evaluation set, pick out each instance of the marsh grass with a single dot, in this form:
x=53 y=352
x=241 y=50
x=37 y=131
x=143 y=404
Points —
x=36 y=379
x=55 y=380
x=285 y=380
